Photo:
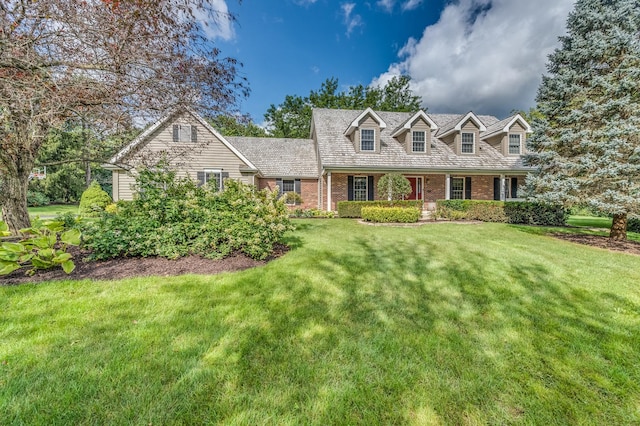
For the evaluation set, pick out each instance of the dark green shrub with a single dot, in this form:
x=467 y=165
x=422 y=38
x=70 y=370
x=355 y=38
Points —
x=93 y=200
x=178 y=218
x=391 y=214
x=633 y=224
x=37 y=199
x=522 y=212
x=352 y=208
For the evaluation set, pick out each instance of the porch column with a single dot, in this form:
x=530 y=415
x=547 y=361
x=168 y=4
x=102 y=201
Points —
x=328 y=191
x=447 y=187
x=502 y=185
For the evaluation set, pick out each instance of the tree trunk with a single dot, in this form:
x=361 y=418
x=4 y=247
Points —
x=14 y=206
x=619 y=227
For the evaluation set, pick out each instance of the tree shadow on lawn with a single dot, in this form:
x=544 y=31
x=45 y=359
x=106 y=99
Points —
x=384 y=333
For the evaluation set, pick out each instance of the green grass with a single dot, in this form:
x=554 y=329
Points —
x=441 y=324
x=53 y=209
x=590 y=221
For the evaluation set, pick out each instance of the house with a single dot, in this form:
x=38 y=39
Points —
x=444 y=156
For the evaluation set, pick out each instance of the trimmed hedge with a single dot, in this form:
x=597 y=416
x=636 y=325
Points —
x=522 y=212
x=391 y=214
x=353 y=208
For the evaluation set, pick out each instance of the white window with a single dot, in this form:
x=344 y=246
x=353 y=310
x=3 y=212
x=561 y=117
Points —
x=419 y=141
x=184 y=133
x=288 y=185
x=367 y=140
x=514 y=144
x=468 y=140
x=360 y=188
x=457 y=188
x=213 y=178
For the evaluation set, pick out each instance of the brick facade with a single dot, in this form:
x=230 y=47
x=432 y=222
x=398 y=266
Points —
x=433 y=184
x=308 y=191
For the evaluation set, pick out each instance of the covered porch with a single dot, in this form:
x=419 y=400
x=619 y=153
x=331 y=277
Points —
x=338 y=186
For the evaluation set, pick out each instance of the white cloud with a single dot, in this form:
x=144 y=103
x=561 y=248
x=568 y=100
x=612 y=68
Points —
x=386 y=4
x=304 y=2
x=351 y=21
x=222 y=27
x=411 y=4
x=482 y=55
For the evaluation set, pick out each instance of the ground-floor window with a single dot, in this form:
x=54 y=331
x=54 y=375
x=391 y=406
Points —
x=457 y=188
x=290 y=189
x=214 y=178
x=360 y=188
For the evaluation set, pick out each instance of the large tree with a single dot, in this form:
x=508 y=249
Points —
x=586 y=142
x=292 y=118
x=109 y=60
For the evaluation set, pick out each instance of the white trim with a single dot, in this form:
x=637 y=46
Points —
x=374 y=140
x=214 y=171
x=519 y=135
x=473 y=143
x=458 y=127
x=522 y=121
x=356 y=123
x=423 y=141
x=328 y=191
x=409 y=123
x=447 y=187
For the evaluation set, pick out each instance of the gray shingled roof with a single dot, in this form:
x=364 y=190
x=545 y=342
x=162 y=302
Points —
x=277 y=157
x=337 y=151
x=497 y=127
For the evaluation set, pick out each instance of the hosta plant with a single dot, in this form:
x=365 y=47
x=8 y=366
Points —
x=44 y=246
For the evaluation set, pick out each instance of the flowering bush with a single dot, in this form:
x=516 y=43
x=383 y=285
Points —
x=174 y=217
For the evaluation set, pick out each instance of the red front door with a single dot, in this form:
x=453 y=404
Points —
x=416 y=188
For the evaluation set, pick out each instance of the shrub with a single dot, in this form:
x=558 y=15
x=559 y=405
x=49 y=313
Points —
x=111 y=208
x=393 y=186
x=317 y=213
x=93 y=200
x=37 y=199
x=179 y=218
x=292 y=198
x=352 y=208
x=522 y=212
x=633 y=224
x=391 y=214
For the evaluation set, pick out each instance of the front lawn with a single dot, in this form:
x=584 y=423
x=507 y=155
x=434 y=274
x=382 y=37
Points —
x=590 y=221
x=53 y=210
x=439 y=324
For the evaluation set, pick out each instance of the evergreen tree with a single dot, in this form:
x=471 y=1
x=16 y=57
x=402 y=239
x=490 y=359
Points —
x=586 y=142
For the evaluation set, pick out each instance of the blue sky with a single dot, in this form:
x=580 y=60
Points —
x=480 y=55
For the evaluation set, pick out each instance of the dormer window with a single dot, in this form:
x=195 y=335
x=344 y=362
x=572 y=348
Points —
x=468 y=142
x=515 y=144
x=367 y=140
x=418 y=143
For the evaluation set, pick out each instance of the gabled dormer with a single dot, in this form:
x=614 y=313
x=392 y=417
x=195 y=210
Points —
x=364 y=132
x=415 y=133
x=463 y=134
x=509 y=135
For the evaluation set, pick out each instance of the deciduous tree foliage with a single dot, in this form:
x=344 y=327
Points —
x=586 y=142
x=105 y=59
x=292 y=118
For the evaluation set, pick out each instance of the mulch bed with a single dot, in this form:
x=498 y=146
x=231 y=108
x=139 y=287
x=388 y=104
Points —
x=128 y=267
x=627 y=246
